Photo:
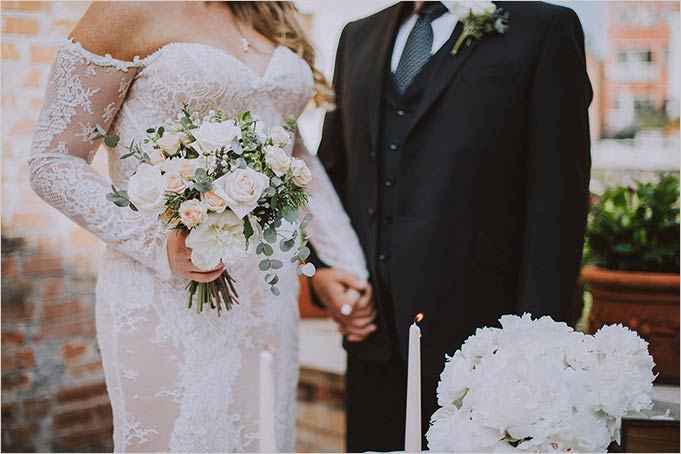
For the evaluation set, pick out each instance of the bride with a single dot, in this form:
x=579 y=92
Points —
x=178 y=380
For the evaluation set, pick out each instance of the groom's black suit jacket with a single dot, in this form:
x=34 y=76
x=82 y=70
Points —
x=490 y=182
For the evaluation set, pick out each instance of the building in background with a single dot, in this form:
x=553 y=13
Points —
x=641 y=65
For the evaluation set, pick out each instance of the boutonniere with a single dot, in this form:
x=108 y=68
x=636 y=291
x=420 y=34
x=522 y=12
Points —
x=479 y=19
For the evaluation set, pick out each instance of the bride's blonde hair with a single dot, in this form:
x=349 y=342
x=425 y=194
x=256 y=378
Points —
x=278 y=21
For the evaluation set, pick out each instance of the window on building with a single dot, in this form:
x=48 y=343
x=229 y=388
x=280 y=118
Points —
x=622 y=56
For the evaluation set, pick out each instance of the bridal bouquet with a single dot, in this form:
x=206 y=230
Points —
x=230 y=184
x=539 y=386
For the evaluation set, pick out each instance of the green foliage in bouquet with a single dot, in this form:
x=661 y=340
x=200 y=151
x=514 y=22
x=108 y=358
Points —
x=636 y=228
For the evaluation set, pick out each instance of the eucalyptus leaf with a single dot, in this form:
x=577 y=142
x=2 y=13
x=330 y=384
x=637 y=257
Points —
x=276 y=264
x=111 y=141
x=270 y=235
x=264 y=265
x=307 y=269
x=275 y=291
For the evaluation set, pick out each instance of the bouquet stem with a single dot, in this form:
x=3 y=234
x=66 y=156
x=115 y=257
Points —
x=216 y=293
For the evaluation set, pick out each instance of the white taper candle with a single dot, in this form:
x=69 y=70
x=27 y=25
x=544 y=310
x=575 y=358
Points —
x=412 y=432
x=267 y=437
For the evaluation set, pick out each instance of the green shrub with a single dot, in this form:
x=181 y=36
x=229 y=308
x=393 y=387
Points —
x=636 y=229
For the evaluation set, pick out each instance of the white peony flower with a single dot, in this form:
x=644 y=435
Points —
x=539 y=386
x=170 y=142
x=462 y=10
x=219 y=238
x=277 y=159
x=192 y=212
x=280 y=137
x=212 y=136
x=241 y=189
x=300 y=172
x=146 y=189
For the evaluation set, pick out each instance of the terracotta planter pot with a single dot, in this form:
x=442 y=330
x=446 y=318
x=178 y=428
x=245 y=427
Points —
x=645 y=302
x=307 y=309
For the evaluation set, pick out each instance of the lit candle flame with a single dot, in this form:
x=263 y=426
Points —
x=270 y=348
x=418 y=317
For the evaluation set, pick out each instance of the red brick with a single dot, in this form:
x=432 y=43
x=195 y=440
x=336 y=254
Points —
x=73 y=349
x=19 y=359
x=23 y=126
x=81 y=392
x=19 y=25
x=36 y=408
x=9 y=412
x=84 y=369
x=51 y=288
x=65 y=328
x=10 y=51
x=42 y=265
x=25 y=6
x=12 y=337
x=33 y=78
x=70 y=418
x=15 y=382
x=62 y=27
x=21 y=433
x=42 y=54
x=36 y=102
x=59 y=309
x=29 y=220
x=82 y=237
x=9 y=267
x=85 y=438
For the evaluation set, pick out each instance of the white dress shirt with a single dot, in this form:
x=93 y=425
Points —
x=443 y=27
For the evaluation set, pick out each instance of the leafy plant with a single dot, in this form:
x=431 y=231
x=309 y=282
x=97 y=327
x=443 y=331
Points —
x=636 y=228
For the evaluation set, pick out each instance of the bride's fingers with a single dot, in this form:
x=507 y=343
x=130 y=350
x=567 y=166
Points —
x=360 y=333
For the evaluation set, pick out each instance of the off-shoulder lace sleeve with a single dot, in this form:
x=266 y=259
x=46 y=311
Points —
x=330 y=231
x=85 y=90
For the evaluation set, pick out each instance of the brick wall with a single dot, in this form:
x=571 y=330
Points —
x=53 y=392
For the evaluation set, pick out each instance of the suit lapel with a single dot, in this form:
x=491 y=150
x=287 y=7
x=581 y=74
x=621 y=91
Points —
x=381 y=48
x=446 y=72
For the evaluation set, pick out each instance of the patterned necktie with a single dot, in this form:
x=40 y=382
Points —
x=416 y=51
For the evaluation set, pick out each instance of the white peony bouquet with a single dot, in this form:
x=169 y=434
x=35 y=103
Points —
x=539 y=386
x=230 y=184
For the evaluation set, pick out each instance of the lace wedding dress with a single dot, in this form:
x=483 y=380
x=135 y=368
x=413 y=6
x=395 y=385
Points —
x=179 y=381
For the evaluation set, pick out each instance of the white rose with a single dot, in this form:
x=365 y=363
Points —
x=192 y=212
x=212 y=136
x=301 y=173
x=277 y=159
x=280 y=137
x=170 y=142
x=219 y=238
x=175 y=183
x=241 y=189
x=213 y=201
x=156 y=157
x=146 y=189
x=464 y=9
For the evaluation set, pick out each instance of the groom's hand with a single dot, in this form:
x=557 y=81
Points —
x=180 y=259
x=337 y=288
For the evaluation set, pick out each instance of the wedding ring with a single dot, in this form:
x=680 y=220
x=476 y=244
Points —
x=346 y=309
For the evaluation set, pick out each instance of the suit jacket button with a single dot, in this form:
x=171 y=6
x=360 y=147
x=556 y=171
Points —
x=371 y=212
x=372 y=153
x=383 y=257
x=400 y=113
x=389 y=183
x=393 y=147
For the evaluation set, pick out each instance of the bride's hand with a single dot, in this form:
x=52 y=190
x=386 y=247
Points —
x=180 y=259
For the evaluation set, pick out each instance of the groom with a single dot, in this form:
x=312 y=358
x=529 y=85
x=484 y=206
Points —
x=466 y=178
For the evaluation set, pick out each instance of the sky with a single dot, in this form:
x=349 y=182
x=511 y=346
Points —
x=592 y=14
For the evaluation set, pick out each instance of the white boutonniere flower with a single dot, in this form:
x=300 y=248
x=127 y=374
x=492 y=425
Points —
x=479 y=19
